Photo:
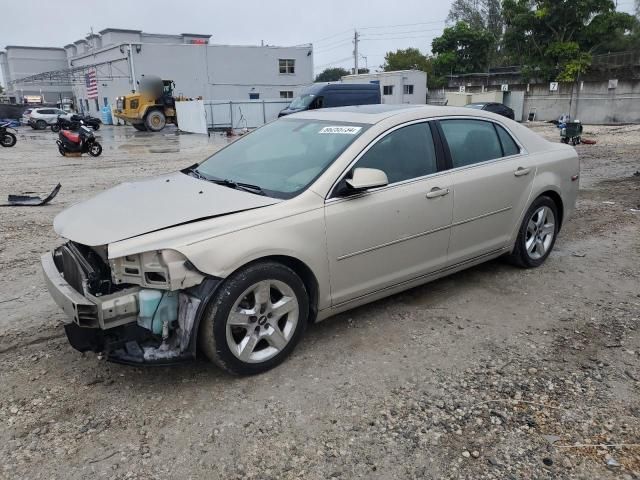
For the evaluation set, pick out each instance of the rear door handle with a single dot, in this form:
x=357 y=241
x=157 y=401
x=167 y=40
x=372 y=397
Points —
x=437 y=192
x=520 y=171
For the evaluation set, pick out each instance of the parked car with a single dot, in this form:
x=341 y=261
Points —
x=41 y=118
x=25 y=116
x=493 y=107
x=323 y=95
x=310 y=215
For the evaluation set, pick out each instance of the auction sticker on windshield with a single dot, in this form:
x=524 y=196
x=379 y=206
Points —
x=341 y=130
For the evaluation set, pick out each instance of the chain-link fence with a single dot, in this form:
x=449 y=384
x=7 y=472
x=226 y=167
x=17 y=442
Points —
x=242 y=114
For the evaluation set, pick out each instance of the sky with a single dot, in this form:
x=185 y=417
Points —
x=328 y=24
x=383 y=25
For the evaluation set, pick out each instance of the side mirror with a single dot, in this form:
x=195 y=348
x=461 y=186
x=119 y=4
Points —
x=365 y=178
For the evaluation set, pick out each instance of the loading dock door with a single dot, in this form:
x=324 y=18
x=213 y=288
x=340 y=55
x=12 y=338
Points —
x=515 y=101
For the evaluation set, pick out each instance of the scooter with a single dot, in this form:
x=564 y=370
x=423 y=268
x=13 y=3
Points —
x=81 y=142
x=73 y=123
x=7 y=139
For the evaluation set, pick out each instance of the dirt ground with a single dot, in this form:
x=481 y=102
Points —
x=494 y=372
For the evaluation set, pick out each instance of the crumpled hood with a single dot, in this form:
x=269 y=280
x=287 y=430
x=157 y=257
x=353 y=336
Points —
x=136 y=208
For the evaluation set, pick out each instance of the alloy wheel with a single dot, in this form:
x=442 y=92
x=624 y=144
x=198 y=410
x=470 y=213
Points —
x=262 y=321
x=540 y=232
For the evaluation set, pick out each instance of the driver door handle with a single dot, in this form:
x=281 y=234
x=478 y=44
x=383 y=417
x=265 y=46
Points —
x=437 y=192
x=520 y=171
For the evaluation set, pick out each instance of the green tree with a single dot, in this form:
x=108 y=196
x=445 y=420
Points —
x=555 y=40
x=411 y=59
x=331 y=74
x=478 y=14
x=407 y=59
x=461 y=49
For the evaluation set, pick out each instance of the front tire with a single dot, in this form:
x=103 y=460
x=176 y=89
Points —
x=41 y=125
x=139 y=126
x=96 y=126
x=55 y=128
x=255 y=319
x=155 y=121
x=95 y=149
x=8 y=140
x=537 y=234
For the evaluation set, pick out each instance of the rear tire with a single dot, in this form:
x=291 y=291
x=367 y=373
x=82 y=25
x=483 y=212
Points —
x=537 y=234
x=155 y=120
x=255 y=319
x=61 y=150
x=55 y=128
x=139 y=126
x=8 y=140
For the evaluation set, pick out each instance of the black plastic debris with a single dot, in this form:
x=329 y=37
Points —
x=31 y=201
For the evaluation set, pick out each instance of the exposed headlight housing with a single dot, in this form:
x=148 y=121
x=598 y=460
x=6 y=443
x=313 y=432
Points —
x=159 y=269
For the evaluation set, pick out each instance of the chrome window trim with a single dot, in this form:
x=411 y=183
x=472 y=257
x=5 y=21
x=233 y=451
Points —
x=329 y=199
x=373 y=142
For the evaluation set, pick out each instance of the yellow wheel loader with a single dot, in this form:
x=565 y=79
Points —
x=151 y=108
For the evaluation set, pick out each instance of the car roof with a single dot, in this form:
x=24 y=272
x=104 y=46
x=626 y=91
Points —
x=372 y=114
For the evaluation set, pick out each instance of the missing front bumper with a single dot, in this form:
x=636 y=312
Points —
x=108 y=324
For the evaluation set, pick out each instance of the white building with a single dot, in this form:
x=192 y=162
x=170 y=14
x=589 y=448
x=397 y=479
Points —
x=18 y=62
x=199 y=69
x=401 y=86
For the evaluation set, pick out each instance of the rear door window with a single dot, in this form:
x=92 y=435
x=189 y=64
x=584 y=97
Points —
x=509 y=146
x=403 y=154
x=471 y=141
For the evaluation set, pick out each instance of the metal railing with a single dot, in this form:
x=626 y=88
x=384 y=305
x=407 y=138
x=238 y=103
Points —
x=618 y=59
x=242 y=113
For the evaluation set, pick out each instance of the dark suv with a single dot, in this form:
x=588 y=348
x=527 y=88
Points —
x=498 y=108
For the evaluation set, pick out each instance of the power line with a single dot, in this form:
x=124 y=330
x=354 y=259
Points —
x=395 y=38
x=320 y=40
x=335 y=62
x=322 y=50
x=403 y=25
x=405 y=32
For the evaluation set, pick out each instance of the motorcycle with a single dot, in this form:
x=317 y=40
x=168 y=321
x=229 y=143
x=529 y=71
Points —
x=81 y=142
x=73 y=123
x=7 y=139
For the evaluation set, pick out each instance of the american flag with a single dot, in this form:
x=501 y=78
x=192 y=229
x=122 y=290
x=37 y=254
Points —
x=91 y=84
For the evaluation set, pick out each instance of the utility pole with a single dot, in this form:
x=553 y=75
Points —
x=356 y=39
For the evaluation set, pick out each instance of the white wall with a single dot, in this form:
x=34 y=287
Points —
x=215 y=72
x=397 y=80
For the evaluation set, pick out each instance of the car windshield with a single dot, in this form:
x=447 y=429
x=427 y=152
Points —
x=303 y=101
x=282 y=158
x=479 y=106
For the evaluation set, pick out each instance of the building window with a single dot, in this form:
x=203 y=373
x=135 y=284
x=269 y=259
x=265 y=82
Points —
x=97 y=104
x=286 y=94
x=86 y=104
x=287 y=65
x=387 y=90
x=254 y=96
x=408 y=89
x=106 y=101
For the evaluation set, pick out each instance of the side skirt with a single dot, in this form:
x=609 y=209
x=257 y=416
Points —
x=408 y=284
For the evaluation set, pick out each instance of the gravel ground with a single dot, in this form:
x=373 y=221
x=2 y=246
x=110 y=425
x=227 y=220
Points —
x=494 y=372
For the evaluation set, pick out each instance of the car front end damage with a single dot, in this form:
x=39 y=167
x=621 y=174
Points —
x=138 y=309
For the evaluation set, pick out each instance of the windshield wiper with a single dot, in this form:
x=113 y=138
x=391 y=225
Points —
x=247 y=187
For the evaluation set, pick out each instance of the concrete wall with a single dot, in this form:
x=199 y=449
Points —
x=590 y=102
x=398 y=80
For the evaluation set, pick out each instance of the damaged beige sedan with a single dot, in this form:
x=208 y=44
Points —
x=306 y=217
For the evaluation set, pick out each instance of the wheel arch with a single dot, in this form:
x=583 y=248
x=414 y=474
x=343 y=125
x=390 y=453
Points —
x=557 y=199
x=298 y=266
